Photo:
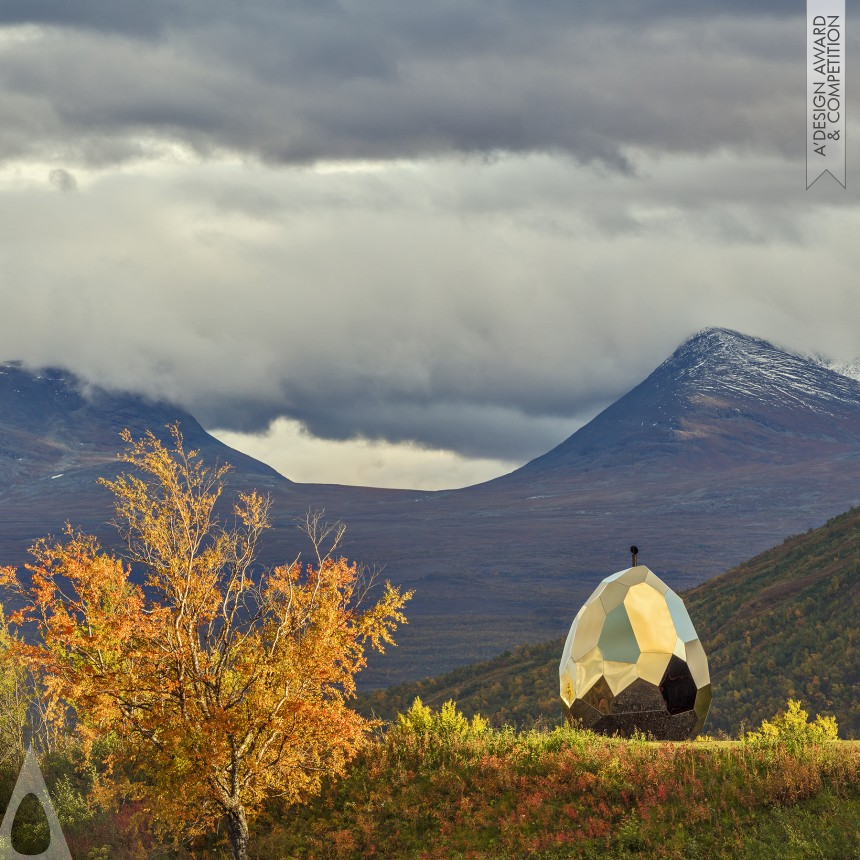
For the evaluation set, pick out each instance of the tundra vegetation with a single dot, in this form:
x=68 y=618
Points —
x=439 y=785
x=204 y=713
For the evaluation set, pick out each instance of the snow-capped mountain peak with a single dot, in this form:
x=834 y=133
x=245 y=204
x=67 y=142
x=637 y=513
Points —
x=719 y=362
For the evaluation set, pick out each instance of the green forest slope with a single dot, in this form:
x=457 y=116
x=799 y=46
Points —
x=785 y=624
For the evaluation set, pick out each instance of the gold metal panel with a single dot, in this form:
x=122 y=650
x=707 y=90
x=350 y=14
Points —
x=651 y=667
x=698 y=663
x=567 y=667
x=617 y=640
x=596 y=593
x=568 y=680
x=589 y=670
x=650 y=618
x=655 y=582
x=613 y=595
x=680 y=616
x=568 y=643
x=678 y=687
x=587 y=628
x=599 y=696
x=619 y=675
x=636 y=574
x=616 y=576
x=632 y=660
x=703 y=702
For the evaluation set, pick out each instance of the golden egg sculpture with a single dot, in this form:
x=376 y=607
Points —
x=633 y=661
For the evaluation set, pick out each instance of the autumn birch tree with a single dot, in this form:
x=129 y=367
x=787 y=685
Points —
x=225 y=685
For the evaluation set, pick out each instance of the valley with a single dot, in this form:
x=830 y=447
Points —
x=726 y=448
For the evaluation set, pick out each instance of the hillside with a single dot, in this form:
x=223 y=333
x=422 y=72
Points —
x=52 y=422
x=58 y=436
x=784 y=624
x=720 y=397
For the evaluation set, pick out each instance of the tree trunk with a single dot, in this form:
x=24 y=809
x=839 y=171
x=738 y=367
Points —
x=237 y=832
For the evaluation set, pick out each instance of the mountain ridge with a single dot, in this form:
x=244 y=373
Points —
x=693 y=465
x=714 y=373
x=59 y=421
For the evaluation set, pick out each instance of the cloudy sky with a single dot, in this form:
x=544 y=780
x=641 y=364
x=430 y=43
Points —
x=405 y=243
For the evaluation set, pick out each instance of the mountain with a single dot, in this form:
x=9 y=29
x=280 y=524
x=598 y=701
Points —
x=783 y=625
x=728 y=446
x=58 y=436
x=722 y=398
x=52 y=421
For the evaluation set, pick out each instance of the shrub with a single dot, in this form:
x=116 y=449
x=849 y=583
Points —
x=793 y=730
x=446 y=725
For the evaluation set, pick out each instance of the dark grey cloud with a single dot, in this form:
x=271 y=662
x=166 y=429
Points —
x=140 y=19
x=297 y=83
x=471 y=429
x=485 y=308
x=437 y=22
x=473 y=288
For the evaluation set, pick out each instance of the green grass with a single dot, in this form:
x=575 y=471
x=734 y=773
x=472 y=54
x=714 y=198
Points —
x=436 y=785
x=428 y=791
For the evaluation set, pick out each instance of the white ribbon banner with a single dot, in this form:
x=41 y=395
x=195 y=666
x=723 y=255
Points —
x=825 y=90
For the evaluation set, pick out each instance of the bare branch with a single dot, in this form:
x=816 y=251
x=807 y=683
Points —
x=325 y=537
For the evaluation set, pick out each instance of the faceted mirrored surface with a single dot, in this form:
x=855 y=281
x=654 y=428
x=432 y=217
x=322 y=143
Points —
x=652 y=667
x=613 y=595
x=633 y=661
x=617 y=640
x=650 y=618
x=589 y=670
x=589 y=624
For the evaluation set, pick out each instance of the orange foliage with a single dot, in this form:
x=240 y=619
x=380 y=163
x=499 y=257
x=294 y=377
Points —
x=224 y=685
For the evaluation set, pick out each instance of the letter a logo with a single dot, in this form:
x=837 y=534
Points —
x=30 y=781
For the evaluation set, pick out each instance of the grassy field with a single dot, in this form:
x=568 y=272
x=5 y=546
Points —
x=448 y=790
x=436 y=785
